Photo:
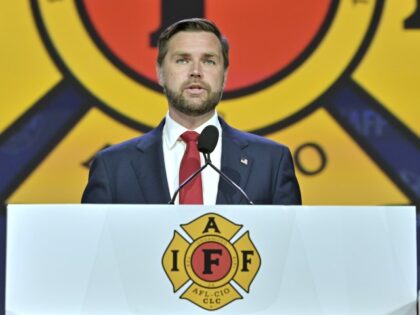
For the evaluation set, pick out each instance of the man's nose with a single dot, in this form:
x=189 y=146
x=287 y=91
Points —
x=196 y=70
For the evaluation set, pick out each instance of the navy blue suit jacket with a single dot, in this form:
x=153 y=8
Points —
x=134 y=171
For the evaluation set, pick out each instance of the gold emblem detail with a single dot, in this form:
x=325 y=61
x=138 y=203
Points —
x=211 y=261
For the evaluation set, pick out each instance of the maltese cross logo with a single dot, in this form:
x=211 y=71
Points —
x=214 y=266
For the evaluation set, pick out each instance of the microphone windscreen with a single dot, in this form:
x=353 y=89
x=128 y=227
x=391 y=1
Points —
x=208 y=139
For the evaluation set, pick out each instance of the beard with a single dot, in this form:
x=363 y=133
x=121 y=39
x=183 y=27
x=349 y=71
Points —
x=193 y=108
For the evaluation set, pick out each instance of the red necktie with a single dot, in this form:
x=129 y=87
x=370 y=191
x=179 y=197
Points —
x=192 y=193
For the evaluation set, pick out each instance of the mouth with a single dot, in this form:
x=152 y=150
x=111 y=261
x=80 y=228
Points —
x=195 y=89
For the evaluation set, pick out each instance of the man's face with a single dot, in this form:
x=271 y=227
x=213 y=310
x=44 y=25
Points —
x=192 y=72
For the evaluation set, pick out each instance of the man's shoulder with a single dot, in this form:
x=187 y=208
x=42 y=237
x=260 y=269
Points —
x=130 y=146
x=252 y=140
x=121 y=148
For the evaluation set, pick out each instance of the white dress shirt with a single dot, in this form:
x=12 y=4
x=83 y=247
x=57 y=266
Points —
x=173 y=151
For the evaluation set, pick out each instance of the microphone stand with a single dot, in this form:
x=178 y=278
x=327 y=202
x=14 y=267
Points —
x=207 y=163
x=227 y=179
x=172 y=201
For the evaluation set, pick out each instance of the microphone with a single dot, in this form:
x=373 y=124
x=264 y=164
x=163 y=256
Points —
x=208 y=139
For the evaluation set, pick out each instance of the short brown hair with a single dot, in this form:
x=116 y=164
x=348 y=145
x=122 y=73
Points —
x=191 y=25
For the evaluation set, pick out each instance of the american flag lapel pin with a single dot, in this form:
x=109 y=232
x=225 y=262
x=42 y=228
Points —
x=244 y=161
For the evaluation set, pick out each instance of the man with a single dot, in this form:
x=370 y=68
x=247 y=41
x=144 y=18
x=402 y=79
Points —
x=192 y=66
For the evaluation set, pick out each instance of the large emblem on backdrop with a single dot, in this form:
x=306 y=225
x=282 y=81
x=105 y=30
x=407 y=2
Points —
x=117 y=64
x=289 y=59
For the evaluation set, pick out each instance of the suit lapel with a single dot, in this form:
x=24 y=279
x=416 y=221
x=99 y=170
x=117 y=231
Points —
x=236 y=164
x=149 y=167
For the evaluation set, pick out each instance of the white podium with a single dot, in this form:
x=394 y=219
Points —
x=161 y=259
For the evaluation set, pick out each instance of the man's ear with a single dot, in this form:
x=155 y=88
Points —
x=159 y=74
x=225 y=74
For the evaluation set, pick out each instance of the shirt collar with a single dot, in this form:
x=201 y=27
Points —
x=172 y=130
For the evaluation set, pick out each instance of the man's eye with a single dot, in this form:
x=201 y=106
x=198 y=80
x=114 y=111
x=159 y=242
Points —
x=181 y=61
x=209 y=62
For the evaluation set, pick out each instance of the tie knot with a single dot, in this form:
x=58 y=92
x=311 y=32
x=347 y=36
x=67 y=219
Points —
x=189 y=136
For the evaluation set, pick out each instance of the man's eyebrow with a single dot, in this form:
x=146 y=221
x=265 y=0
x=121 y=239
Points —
x=185 y=54
x=210 y=55
x=181 y=53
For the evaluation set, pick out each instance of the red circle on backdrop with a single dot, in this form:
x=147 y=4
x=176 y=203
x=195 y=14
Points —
x=218 y=271
x=265 y=36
